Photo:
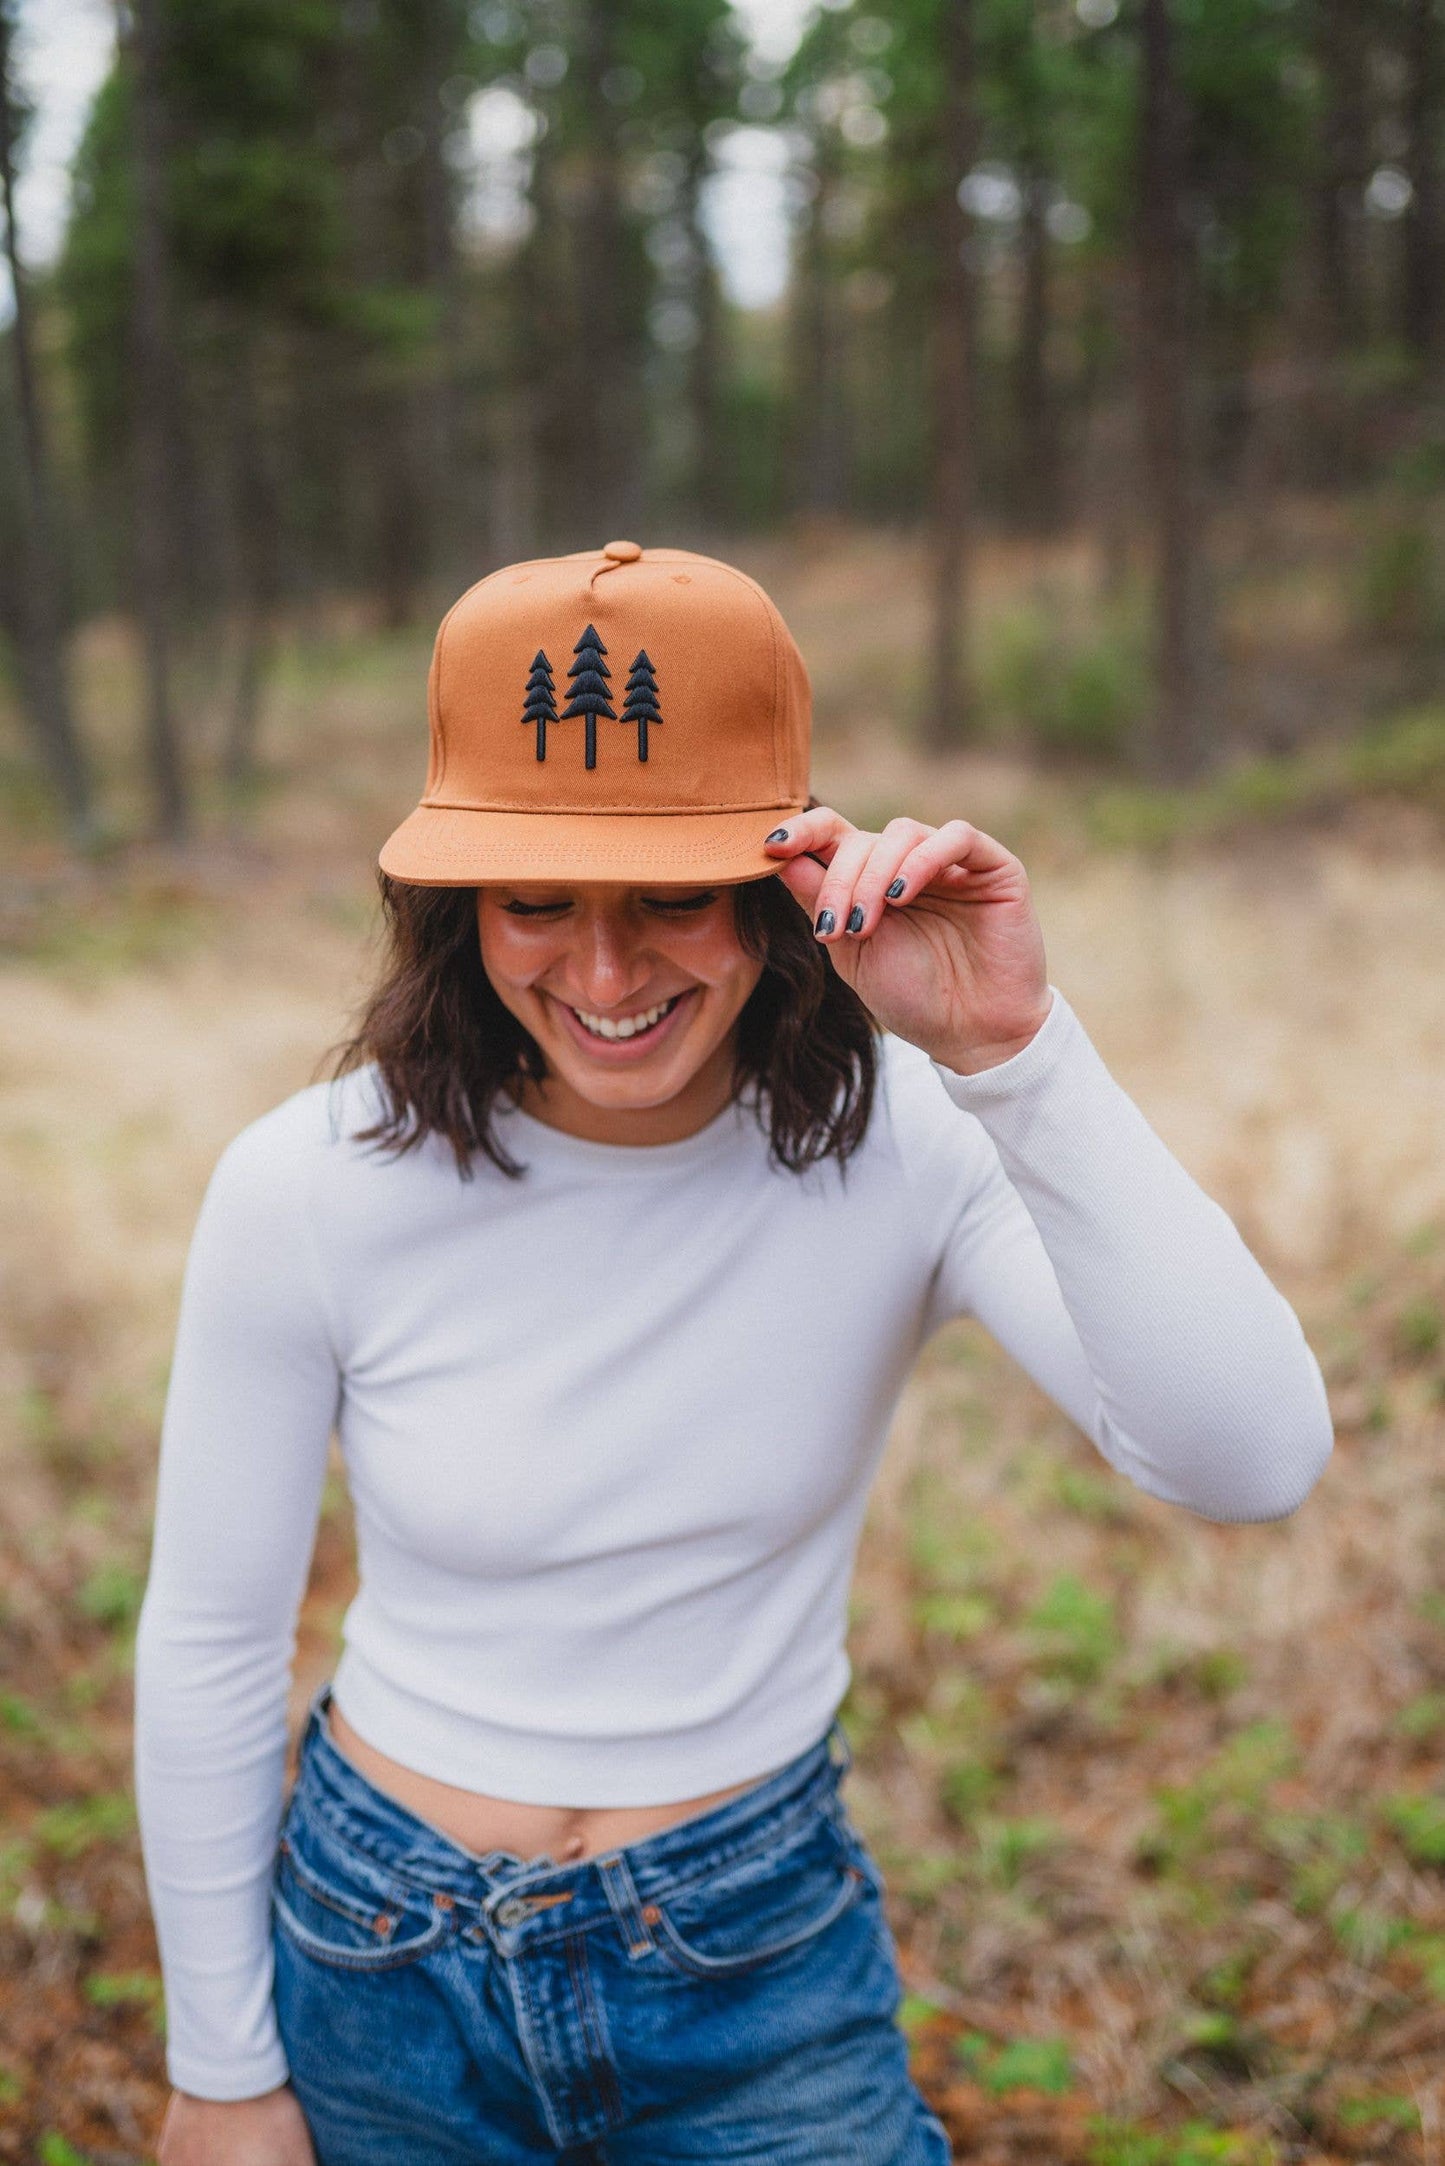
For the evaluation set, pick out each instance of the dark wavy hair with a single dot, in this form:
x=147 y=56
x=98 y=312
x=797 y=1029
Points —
x=445 y=1045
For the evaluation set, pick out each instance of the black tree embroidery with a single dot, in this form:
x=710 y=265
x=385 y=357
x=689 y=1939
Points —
x=589 y=695
x=641 y=706
x=541 y=707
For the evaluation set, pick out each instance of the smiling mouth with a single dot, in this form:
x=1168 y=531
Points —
x=625 y=1028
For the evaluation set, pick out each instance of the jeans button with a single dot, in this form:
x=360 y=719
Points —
x=512 y=1912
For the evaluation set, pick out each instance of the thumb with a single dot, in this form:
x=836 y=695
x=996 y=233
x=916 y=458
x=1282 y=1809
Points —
x=803 y=877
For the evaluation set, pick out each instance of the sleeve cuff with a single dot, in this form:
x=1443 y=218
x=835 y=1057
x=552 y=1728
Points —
x=232 y=2081
x=1055 y=1040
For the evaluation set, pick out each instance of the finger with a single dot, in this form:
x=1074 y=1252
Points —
x=951 y=857
x=890 y=850
x=802 y=877
x=834 y=899
x=820 y=829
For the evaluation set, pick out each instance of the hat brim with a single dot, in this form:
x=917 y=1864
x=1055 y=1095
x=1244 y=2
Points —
x=451 y=846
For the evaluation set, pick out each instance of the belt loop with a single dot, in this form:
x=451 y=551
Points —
x=840 y=1752
x=622 y=1895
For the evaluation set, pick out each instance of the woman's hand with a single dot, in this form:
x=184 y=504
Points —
x=266 y=2131
x=933 y=927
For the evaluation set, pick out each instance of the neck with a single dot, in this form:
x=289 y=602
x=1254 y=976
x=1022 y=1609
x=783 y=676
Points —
x=701 y=1099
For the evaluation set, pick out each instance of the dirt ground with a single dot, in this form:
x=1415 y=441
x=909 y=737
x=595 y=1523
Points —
x=1159 y=1802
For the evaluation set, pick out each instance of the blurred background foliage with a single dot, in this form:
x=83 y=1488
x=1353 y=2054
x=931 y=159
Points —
x=359 y=298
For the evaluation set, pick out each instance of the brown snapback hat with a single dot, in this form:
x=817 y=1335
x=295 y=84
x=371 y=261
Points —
x=618 y=714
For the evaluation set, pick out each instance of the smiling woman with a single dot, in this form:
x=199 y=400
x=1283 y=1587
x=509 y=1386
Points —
x=683 y=1113
x=513 y=993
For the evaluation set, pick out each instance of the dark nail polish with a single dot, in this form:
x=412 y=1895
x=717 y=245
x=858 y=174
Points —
x=779 y=834
x=897 y=888
x=855 y=918
x=826 y=922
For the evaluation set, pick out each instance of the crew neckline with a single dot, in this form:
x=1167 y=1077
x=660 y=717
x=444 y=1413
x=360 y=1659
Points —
x=628 y=1158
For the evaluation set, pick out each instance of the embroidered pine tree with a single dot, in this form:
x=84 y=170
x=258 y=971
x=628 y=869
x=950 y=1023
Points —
x=541 y=706
x=641 y=706
x=589 y=692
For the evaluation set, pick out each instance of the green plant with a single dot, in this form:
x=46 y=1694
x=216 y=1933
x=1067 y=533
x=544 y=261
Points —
x=54 y=2150
x=1368 y=1934
x=128 y=1989
x=956 y=1617
x=914 y=2011
x=1422 y=1719
x=1024 y=2064
x=1069 y=689
x=1100 y=1499
x=1074 y=1631
x=112 y=1595
x=1419 y=1328
x=1234 y=1783
x=1321 y=1849
x=1217 y=2036
x=1124 y=2143
x=1420 y=1824
x=1397 y=578
x=1006 y=1848
x=1389 y=2111
x=18 y=1716
x=966 y=1786
x=72 y=1828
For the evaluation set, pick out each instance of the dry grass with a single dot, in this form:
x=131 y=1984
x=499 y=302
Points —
x=1137 y=1780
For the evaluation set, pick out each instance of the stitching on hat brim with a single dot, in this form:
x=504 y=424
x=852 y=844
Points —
x=473 y=846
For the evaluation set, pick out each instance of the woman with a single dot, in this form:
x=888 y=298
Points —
x=608 y=1249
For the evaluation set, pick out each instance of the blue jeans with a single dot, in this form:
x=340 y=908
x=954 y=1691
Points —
x=724 y=1989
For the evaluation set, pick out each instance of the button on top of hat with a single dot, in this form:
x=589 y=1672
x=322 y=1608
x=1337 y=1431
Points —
x=622 y=552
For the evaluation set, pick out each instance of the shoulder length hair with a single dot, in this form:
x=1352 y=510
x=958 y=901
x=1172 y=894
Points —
x=445 y=1046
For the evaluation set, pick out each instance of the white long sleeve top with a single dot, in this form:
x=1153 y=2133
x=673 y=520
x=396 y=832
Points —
x=609 y=1431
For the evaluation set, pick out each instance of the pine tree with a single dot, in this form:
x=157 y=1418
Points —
x=641 y=706
x=541 y=707
x=589 y=696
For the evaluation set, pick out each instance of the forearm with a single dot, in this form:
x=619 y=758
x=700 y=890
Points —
x=1207 y=1392
x=210 y=1751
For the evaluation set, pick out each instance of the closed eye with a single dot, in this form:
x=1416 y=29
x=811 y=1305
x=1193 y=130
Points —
x=668 y=903
x=681 y=902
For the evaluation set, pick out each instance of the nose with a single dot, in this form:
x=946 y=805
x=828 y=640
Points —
x=608 y=964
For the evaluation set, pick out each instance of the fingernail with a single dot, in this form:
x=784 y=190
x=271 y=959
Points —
x=855 y=918
x=779 y=834
x=826 y=922
x=897 y=888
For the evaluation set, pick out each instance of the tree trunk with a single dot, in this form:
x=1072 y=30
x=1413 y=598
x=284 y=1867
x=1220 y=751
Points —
x=1422 y=267
x=706 y=361
x=454 y=528
x=42 y=659
x=256 y=535
x=1033 y=406
x=1179 y=743
x=155 y=377
x=1343 y=162
x=614 y=444
x=949 y=711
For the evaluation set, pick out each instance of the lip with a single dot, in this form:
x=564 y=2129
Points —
x=624 y=1052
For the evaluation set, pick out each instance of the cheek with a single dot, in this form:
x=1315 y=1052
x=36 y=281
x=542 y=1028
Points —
x=510 y=957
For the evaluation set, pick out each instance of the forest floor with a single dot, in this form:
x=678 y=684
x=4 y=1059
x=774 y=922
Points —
x=1159 y=1802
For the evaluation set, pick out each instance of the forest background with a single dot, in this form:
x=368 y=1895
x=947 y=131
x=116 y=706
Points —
x=1093 y=446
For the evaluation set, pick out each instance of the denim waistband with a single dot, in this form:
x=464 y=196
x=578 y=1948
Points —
x=612 y=1883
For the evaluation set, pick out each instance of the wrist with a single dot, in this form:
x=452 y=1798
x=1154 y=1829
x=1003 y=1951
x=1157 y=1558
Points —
x=976 y=1058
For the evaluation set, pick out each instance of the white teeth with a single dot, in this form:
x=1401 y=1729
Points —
x=627 y=1026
